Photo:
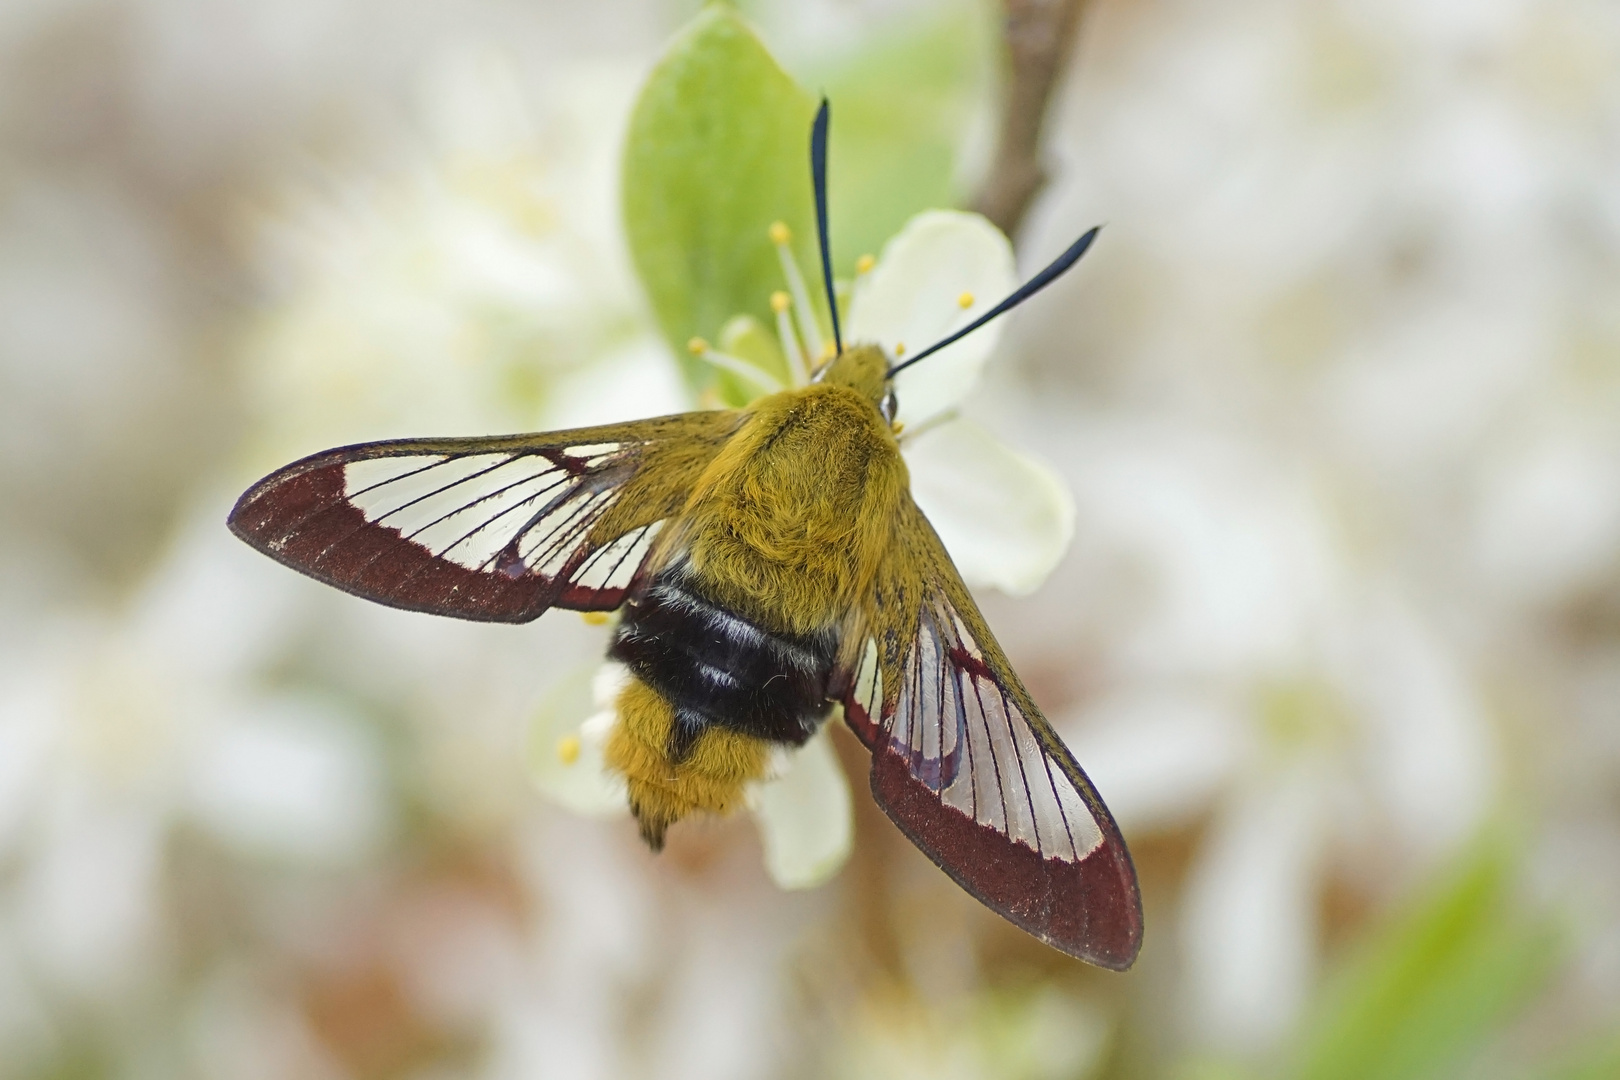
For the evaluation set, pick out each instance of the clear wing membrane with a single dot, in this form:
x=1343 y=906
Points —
x=497 y=529
x=972 y=772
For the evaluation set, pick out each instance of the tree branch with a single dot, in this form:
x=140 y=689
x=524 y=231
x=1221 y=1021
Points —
x=1039 y=38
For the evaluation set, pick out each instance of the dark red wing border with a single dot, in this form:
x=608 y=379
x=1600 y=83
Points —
x=1090 y=909
x=305 y=521
x=496 y=529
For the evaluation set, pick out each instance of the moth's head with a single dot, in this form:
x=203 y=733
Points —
x=862 y=368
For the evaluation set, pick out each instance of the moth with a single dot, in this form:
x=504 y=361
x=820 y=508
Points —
x=768 y=563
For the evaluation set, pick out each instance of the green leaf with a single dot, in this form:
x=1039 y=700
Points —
x=718 y=149
x=902 y=107
x=1430 y=987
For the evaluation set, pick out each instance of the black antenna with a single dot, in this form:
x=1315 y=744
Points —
x=1019 y=295
x=818 y=178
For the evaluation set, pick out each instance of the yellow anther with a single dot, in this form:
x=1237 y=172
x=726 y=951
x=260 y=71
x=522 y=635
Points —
x=827 y=351
x=568 y=749
x=780 y=301
x=899 y=348
x=965 y=300
x=899 y=426
x=864 y=264
x=595 y=618
x=697 y=346
x=780 y=233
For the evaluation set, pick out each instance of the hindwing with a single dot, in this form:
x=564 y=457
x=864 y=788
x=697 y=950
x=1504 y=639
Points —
x=969 y=769
x=493 y=529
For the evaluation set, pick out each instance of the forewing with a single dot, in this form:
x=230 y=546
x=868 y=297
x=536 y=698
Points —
x=970 y=770
x=493 y=529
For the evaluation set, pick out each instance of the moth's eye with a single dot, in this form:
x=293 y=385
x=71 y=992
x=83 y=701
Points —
x=889 y=405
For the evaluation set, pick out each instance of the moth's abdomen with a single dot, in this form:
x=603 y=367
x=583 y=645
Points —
x=709 y=779
x=719 y=670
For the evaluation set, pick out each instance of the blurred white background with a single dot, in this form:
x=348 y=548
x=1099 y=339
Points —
x=1338 y=395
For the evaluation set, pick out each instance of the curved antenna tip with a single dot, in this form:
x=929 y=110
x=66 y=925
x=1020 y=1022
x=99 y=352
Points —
x=1054 y=270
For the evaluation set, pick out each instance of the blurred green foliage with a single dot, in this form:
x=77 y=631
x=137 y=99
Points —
x=902 y=107
x=717 y=151
x=1427 y=990
x=1424 y=994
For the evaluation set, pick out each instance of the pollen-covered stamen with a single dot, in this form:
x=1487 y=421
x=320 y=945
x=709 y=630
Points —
x=962 y=314
x=782 y=236
x=964 y=310
x=734 y=364
x=797 y=368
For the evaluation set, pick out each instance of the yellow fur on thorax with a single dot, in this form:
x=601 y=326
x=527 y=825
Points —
x=790 y=521
x=710 y=778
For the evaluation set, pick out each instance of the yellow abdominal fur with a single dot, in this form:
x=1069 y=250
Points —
x=710 y=778
x=786 y=527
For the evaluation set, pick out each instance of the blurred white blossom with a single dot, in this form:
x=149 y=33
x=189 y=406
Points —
x=468 y=293
x=1269 y=682
x=1045 y=1035
x=1337 y=393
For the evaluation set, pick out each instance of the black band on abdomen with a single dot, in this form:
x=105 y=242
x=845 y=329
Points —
x=718 y=669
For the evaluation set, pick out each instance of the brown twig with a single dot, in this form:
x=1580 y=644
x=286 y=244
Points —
x=1039 y=39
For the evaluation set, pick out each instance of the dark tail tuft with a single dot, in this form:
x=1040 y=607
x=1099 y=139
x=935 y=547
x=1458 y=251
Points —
x=652 y=828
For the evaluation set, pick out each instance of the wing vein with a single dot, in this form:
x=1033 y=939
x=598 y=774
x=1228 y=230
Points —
x=1057 y=800
x=1023 y=773
x=487 y=522
x=444 y=459
x=435 y=493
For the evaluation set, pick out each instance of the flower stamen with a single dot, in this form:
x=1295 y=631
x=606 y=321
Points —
x=781 y=236
x=734 y=364
x=962 y=314
x=568 y=748
x=797 y=368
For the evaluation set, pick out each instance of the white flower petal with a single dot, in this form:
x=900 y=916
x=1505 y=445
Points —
x=911 y=298
x=565 y=745
x=1248 y=920
x=1005 y=518
x=1426 y=735
x=805 y=818
x=635 y=381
